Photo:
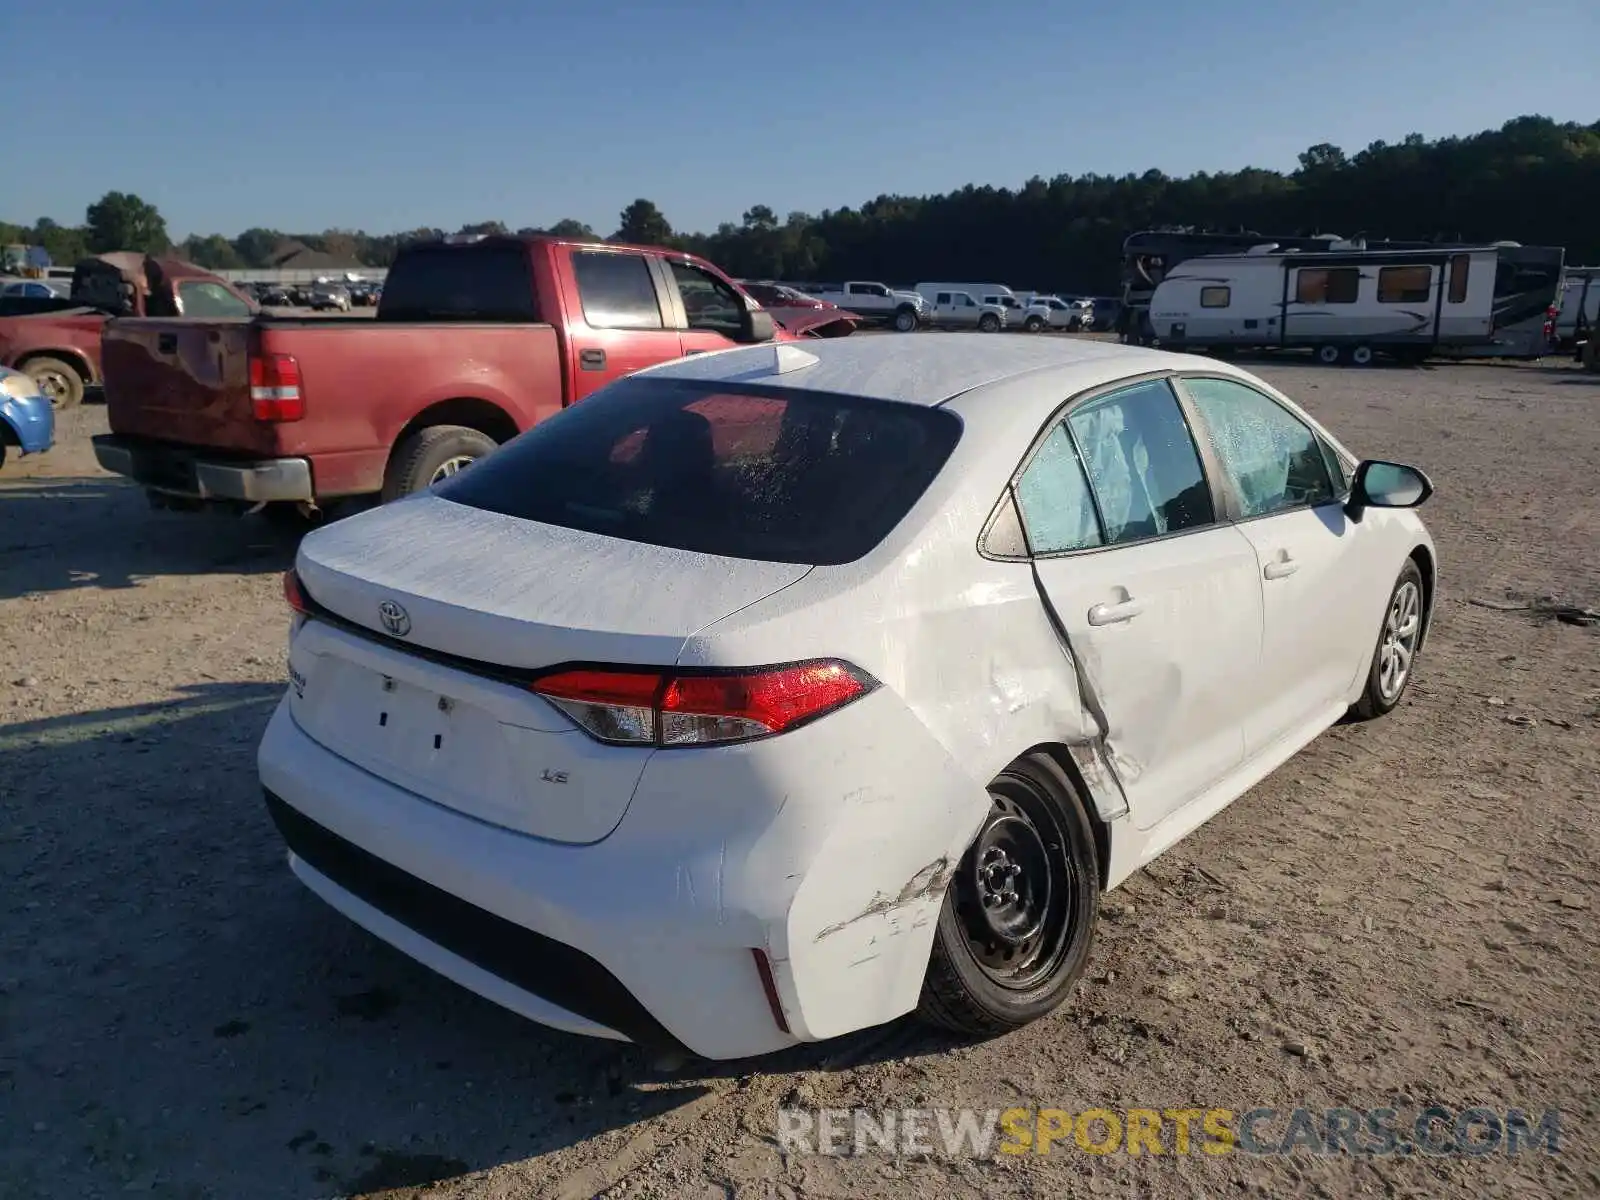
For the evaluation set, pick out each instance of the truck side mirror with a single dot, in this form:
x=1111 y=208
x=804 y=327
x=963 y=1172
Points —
x=756 y=326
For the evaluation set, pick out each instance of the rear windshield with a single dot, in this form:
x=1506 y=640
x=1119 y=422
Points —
x=481 y=282
x=745 y=472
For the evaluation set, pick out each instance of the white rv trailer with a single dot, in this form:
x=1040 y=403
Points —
x=1347 y=305
x=1579 y=308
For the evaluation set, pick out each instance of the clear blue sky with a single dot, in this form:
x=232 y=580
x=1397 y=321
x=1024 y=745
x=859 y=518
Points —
x=390 y=115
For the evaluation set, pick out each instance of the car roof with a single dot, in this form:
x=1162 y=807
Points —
x=923 y=368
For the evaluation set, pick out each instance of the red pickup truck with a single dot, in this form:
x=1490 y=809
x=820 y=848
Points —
x=473 y=342
x=58 y=341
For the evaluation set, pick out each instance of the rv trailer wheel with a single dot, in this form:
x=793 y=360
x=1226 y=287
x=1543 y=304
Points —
x=1329 y=355
x=1361 y=356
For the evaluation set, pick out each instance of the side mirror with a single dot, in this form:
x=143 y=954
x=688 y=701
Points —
x=1388 y=485
x=756 y=326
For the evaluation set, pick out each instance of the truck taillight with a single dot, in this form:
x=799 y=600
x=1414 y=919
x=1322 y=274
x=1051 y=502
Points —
x=700 y=708
x=275 y=388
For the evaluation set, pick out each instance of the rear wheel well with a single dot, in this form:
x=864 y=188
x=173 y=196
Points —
x=72 y=358
x=486 y=417
x=1102 y=831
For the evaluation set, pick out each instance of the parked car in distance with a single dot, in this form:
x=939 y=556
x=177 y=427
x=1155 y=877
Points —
x=1052 y=312
x=472 y=343
x=38 y=289
x=274 y=294
x=27 y=418
x=788 y=305
x=770 y=695
x=876 y=303
x=958 y=310
x=329 y=296
x=57 y=340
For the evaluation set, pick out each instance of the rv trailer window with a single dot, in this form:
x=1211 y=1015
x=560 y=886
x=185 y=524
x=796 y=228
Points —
x=1460 y=266
x=1215 y=297
x=1322 y=285
x=1405 y=285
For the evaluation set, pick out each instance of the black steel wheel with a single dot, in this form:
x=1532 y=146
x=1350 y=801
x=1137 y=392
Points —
x=1018 y=919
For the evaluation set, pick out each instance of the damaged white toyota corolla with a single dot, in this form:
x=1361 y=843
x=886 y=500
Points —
x=775 y=693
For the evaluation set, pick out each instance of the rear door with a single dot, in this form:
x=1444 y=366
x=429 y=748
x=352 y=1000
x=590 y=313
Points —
x=1158 y=599
x=622 y=321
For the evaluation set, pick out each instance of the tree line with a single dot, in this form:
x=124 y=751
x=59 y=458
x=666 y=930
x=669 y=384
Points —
x=1533 y=180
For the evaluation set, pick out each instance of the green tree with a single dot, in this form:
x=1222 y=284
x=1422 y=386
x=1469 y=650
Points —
x=567 y=227
x=643 y=225
x=255 y=247
x=122 y=221
x=65 y=244
x=212 y=250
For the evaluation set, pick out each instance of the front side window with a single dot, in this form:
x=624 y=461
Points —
x=1142 y=463
x=1272 y=458
x=199 y=298
x=708 y=302
x=1405 y=285
x=1215 y=297
x=1053 y=495
x=1323 y=285
x=616 y=290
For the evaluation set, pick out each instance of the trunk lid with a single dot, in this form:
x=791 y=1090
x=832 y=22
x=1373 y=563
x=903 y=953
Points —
x=445 y=587
x=182 y=380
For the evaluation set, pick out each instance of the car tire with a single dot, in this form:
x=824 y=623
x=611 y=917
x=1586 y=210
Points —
x=58 y=380
x=1033 y=324
x=1404 y=621
x=1039 y=824
x=427 y=455
x=905 y=321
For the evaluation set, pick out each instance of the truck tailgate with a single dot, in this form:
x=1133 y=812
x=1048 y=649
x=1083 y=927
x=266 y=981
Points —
x=182 y=380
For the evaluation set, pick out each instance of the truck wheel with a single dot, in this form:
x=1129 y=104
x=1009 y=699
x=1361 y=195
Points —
x=1033 y=324
x=988 y=323
x=432 y=454
x=905 y=320
x=58 y=380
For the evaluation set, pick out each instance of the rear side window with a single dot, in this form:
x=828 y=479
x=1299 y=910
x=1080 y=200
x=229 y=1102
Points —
x=486 y=281
x=755 y=472
x=616 y=289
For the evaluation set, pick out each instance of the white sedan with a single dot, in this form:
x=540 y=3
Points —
x=772 y=694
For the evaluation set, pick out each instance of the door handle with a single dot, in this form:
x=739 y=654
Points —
x=687 y=353
x=592 y=360
x=1111 y=614
x=1280 y=568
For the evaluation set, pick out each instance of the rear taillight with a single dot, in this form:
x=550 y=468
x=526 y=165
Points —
x=294 y=594
x=275 y=388
x=700 y=708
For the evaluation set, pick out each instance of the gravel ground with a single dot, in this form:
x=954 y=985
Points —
x=1404 y=914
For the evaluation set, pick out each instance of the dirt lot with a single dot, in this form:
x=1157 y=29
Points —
x=1403 y=915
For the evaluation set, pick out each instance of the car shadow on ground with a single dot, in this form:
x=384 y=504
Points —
x=62 y=533
x=184 y=1017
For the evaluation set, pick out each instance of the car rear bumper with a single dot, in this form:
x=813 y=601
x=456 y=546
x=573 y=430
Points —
x=181 y=471
x=658 y=933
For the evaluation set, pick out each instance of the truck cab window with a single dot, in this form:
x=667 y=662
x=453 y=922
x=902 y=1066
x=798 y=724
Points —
x=708 y=302
x=199 y=298
x=616 y=290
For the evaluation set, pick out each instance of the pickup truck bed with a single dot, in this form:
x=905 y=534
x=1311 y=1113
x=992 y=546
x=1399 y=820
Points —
x=175 y=387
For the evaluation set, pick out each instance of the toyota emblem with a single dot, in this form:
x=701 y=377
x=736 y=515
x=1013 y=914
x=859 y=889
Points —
x=395 y=619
